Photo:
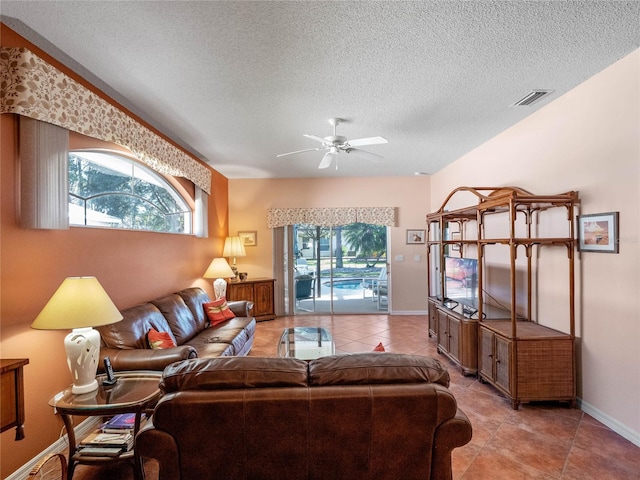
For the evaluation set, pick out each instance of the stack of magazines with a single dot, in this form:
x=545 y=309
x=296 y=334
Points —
x=113 y=438
x=102 y=444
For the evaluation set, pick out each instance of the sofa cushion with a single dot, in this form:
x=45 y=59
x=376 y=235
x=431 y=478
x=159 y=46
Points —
x=234 y=372
x=131 y=331
x=159 y=340
x=179 y=317
x=194 y=298
x=373 y=368
x=218 y=311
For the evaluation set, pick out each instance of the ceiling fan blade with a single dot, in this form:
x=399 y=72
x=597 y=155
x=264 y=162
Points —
x=362 y=154
x=367 y=141
x=326 y=160
x=313 y=137
x=300 y=151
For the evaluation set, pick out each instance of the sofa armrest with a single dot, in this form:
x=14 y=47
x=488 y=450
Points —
x=452 y=433
x=145 y=359
x=241 y=308
x=153 y=444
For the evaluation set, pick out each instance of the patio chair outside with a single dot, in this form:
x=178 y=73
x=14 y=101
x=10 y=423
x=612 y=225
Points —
x=305 y=286
x=378 y=286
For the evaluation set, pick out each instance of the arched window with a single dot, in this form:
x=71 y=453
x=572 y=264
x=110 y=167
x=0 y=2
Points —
x=110 y=190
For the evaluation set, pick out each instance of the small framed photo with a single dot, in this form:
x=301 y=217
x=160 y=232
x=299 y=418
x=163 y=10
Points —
x=250 y=239
x=455 y=236
x=598 y=232
x=415 y=237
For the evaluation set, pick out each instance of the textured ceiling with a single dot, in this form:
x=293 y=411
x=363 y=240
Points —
x=238 y=82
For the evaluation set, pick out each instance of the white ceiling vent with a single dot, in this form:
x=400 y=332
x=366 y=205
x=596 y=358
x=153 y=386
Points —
x=531 y=97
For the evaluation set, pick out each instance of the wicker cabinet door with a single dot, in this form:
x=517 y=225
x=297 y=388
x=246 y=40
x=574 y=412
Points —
x=486 y=353
x=503 y=362
x=443 y=331
x=433 y=319
x=454 y=338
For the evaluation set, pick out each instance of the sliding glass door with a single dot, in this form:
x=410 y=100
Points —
x=335 y=270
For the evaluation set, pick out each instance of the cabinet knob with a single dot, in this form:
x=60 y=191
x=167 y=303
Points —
x=490 y=355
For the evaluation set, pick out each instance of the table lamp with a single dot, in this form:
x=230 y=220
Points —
x=234 y=247
x=80 y=303
x=219 y=269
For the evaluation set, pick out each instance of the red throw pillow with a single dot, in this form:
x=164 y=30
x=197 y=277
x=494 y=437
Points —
x=158 y=340
x=379 y=348
x=218 y=311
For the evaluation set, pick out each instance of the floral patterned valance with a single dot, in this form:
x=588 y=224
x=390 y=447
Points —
x=331 y=217
x=33 y=88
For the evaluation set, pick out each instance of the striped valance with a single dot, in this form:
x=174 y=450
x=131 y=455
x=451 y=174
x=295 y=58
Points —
x=331 y=217
x=33 y=88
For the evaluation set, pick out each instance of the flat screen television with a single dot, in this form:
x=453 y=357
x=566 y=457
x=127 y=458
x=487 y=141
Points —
x=461 y=281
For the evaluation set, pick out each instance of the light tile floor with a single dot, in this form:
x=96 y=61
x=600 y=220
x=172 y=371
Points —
x=537 y=441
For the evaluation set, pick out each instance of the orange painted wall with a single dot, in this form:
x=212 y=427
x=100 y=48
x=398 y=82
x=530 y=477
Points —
x=132 y=267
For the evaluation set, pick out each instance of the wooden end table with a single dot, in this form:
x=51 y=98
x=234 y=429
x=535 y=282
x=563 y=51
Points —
x=133 y=392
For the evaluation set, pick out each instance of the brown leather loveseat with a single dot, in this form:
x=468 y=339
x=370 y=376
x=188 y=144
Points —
x=183 y=316
x=361 y=416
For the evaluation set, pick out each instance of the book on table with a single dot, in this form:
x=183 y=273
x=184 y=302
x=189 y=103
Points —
x=121 y=422
x=122 y=441
x=89 y=451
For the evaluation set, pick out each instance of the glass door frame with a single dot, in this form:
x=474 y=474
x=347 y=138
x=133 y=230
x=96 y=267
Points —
x=366 y=305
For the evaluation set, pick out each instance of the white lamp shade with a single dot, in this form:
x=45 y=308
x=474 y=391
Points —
x=78 y=302
x=219 y=268
x=234 y=247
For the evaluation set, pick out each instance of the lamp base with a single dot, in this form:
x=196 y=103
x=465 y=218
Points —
x=220 y=288
x=83 y=350
x=80 y=389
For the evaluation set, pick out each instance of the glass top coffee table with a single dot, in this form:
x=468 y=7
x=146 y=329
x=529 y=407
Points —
x=306 y=343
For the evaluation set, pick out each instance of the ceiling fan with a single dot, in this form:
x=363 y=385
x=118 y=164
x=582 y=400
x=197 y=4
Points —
x=337 y=143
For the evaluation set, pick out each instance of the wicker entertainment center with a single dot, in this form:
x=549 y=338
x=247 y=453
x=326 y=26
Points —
x=477 y=233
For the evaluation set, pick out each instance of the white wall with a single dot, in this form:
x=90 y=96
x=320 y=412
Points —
x=587 y=140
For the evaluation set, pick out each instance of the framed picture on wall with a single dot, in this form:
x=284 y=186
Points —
x=415 y=237
x=250 y=238
x=598 y=232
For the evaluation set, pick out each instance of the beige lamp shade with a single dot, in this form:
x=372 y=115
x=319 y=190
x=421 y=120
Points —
x=233 y=247
x=78 y=302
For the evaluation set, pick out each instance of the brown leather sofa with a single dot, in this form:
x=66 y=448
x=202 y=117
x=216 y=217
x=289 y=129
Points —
x=361 y=416
x=182 y=314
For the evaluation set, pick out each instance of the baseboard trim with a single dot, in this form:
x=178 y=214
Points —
x=409 y=312
x=82 y=430
x=612 y=423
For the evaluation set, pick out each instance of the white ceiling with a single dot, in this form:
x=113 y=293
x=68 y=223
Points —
x=238 y=82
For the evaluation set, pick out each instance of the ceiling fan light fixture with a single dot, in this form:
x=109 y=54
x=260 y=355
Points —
x=334 y=144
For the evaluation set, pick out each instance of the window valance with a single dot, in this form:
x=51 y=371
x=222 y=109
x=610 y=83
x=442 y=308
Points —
x=33 y=88
x=331 y=217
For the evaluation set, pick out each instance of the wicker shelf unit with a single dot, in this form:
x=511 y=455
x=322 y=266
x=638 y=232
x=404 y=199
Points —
x=502 y=342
